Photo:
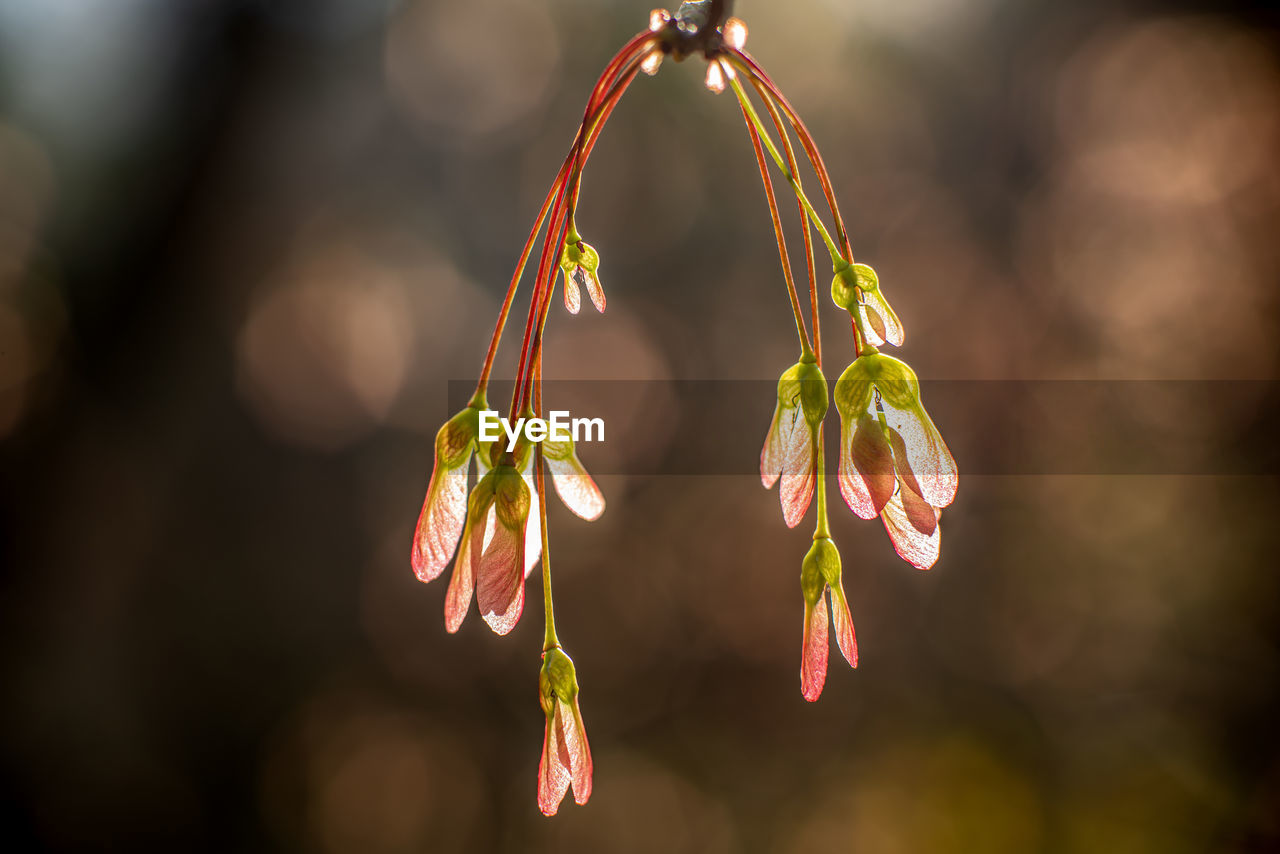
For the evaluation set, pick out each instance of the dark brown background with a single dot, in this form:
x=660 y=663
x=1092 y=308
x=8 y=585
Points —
x=245 y=246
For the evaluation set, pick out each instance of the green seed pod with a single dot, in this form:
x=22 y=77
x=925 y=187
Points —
x=558 y=451
x=570 y=257
x=455 y=439
x=812 y=579
x=558 y=679
x=813 y=392
x=826 y=558
x=894 y=379
x=843 y=286
x=511 y=497
x=520 y=456
x=482 y=495
x=853 y=389
x=789 y=387
x=588 y=257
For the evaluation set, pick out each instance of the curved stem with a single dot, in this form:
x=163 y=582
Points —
x=822 y=529
x=550 y=641
x=742 y=60
x=595 y=112
x=583 y=144
x=546 y=278
x=837 y=260
x=554 y=236
x=804 y=222
x=515 y=283
x=583 y=148
x=813 y=289
x=633 y=51
x=806 y=349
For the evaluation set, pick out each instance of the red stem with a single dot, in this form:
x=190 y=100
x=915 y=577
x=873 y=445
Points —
x=593 y=104
x=806 y=140
x=759 y=76
x=804 y=217
x=549 y=283
x=777 y=229
x=554 y=239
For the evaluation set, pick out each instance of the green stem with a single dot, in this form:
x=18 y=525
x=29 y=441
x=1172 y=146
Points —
x=745 y=63
x=838 y=261
x=804 y=220
x=770 y=94
x=806 y=351
x=822 y=529
x=550 y=641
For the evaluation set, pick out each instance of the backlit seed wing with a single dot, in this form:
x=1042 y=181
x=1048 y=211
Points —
x=572 y=296
x=500 y=581
x=591 y=282
x=915 y=547
x=440 y=523
x=813 y=663
x=457 y=600
x=873 y=458
x=880 y=320
x=771 y=453
x=928 y=457
x=919 y=512
x=853 y=488
x=575 y=739
x=798 y=474
x=576 y=487
x=843 y=623
x=553 y=768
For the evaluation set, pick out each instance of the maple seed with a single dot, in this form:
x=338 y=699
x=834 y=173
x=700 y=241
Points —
x=579 y=262
x=790 y=449
x=820 y=578
x=893 y=463
x=566 y=755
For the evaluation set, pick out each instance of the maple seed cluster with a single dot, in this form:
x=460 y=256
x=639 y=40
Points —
x=892 y=461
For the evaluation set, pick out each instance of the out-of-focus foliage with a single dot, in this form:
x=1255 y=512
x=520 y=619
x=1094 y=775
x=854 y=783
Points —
x=244 y=245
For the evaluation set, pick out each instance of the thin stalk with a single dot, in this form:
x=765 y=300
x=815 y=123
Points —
x=600 y=113
x=745 y=62
x=606 y=109
x=515 y=283
x=636 y=48
x=547 y=279
x=554 y=238
x=806 y=349
x=813 y=287
x=804 y=221
x=555 y=232
x=837 y=260
x=822 y=529
x=550 y=641
x=760 y=78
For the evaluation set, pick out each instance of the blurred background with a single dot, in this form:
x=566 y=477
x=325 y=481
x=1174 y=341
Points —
x=246 y=245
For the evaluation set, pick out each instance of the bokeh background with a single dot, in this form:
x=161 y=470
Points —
x=245 y=245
